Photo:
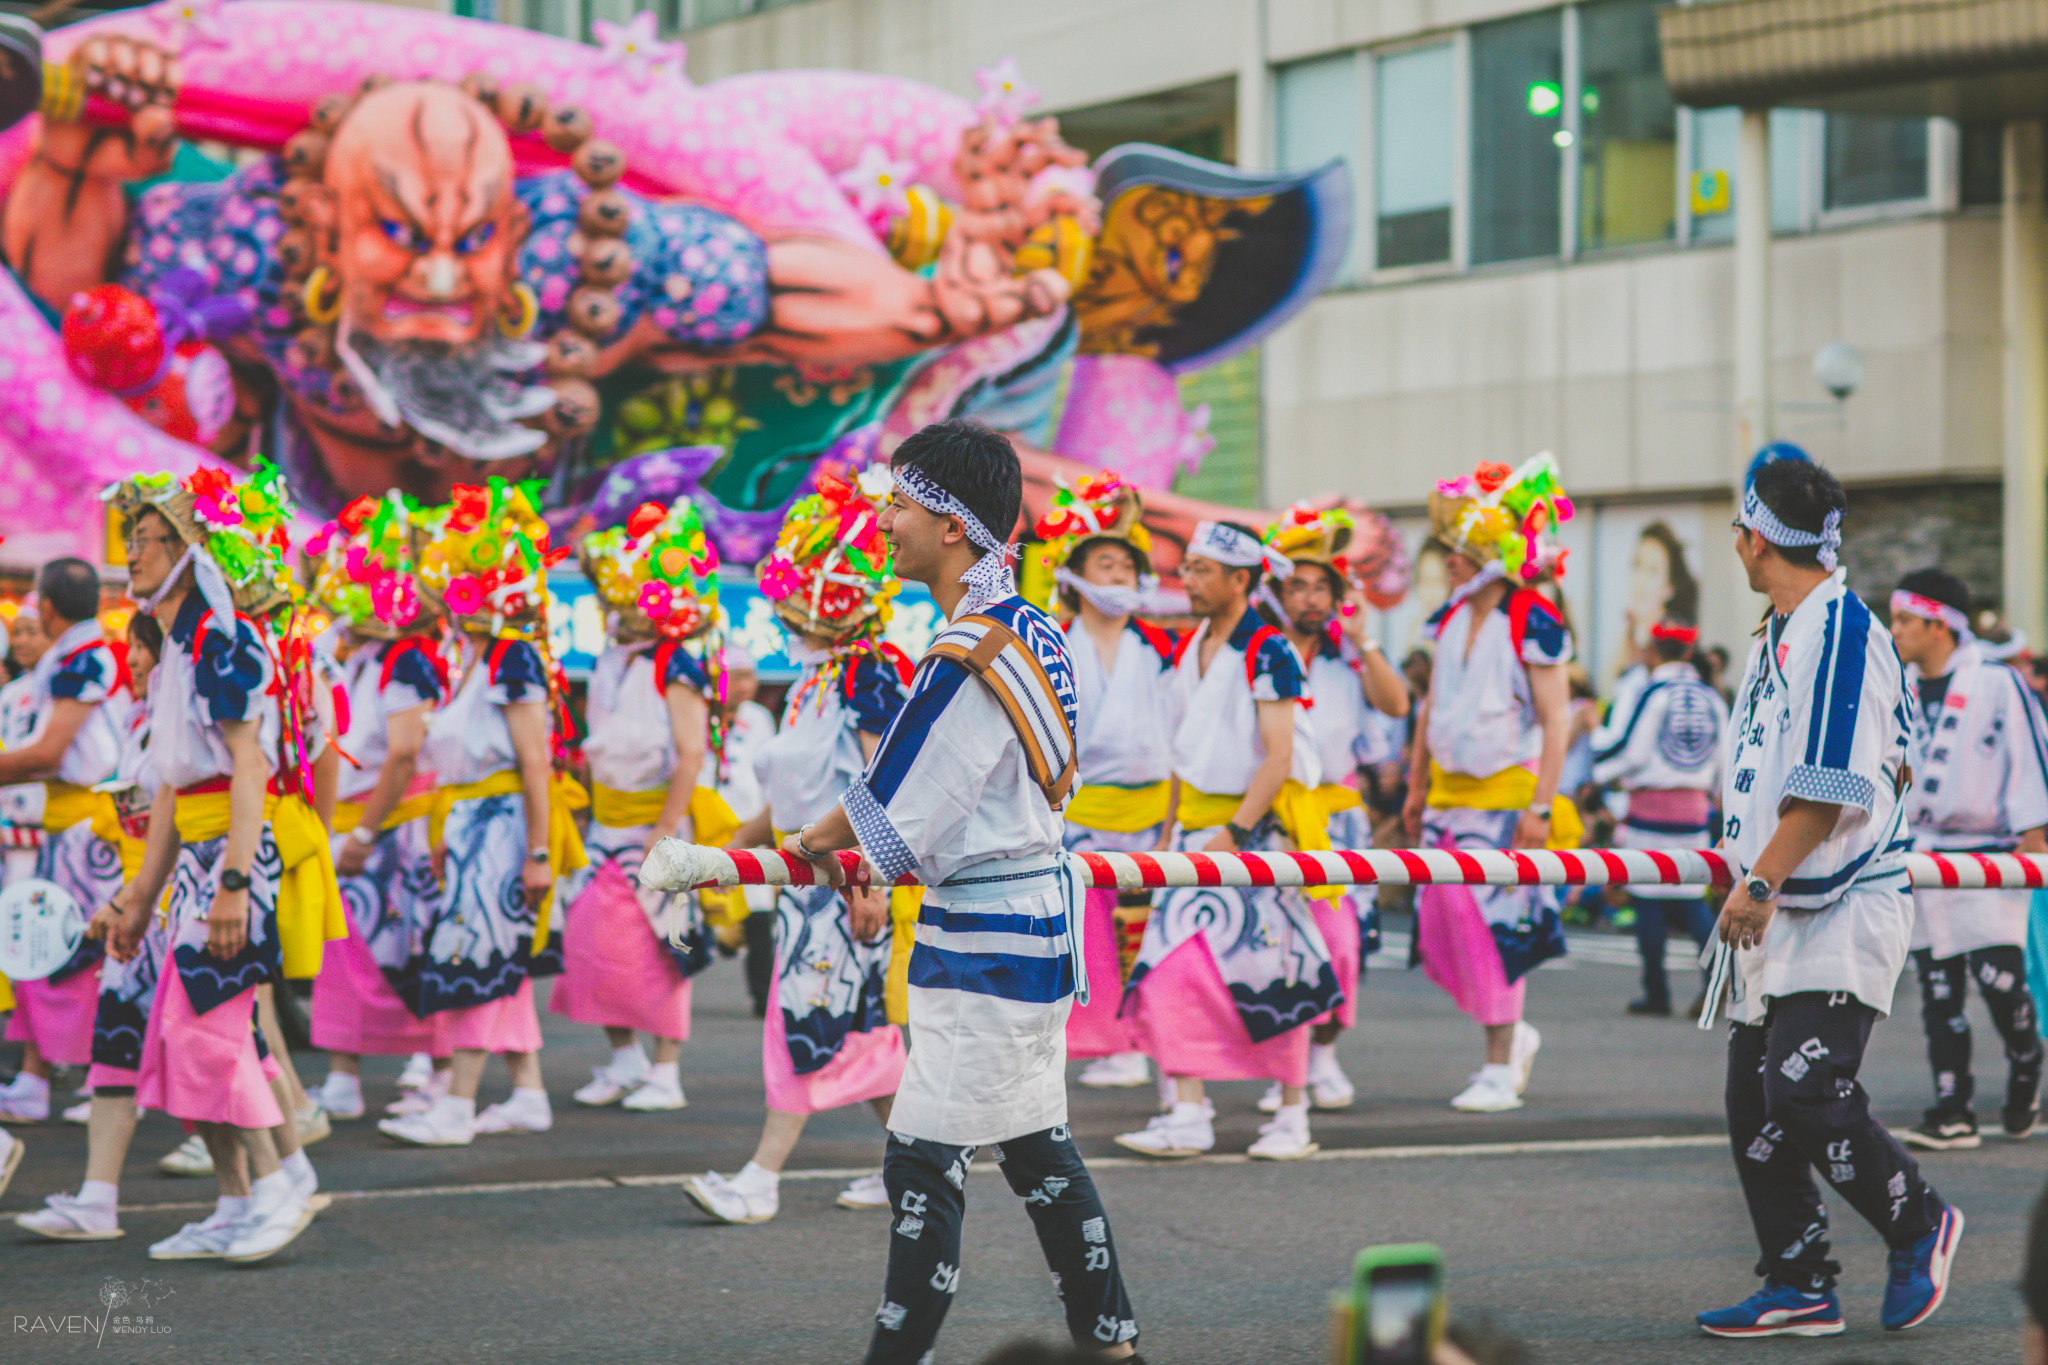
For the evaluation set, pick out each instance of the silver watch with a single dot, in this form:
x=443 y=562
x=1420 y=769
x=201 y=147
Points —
x=1760 y=890
x=537 y=855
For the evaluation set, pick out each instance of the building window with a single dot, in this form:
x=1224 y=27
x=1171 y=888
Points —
x=1980 y=173
x=1414 y=161
x=1711 y=187
x=1518 y=130
x=1873 y=159
x=1318 y=115
x=1628 y=138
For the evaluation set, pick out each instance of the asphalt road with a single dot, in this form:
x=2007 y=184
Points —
x=1567 y=1223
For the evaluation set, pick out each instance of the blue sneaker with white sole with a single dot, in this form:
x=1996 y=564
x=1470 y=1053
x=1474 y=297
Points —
x=1920 y=1274
x=1778 y=1310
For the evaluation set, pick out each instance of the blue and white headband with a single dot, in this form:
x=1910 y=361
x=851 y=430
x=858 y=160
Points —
x=1232 y=547
x=990 y=579
x=1762 y=520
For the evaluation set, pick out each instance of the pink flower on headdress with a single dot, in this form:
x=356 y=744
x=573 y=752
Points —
x=218 y=507
x=394 y=599
x=465 y=595
x=655 y=600
x=358 y=565
x=317 y=546
x=778 y=578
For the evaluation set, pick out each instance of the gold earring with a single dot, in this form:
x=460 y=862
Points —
x=529 y=312
x=316 y=288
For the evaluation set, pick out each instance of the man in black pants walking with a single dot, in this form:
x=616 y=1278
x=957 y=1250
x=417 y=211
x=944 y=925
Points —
x=1980 y=785
x=1819 y=921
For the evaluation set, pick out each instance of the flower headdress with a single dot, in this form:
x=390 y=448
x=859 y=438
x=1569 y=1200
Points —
x=234 y=532
x=487 y=558
x=1496 y=513
x=1307 y=535
x=1096 y=507
x=366 y=568
x=658 y=571
x=830 y=573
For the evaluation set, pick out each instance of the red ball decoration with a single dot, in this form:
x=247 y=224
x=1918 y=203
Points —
x=112 y=337
x=194 y=399
x=646 y=517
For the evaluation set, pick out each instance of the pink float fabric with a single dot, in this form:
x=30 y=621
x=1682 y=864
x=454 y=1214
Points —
x=615 y=973
x=507 y=1024
x=356 y=1011
x=1188 y=1023
x=57 y=1018
x=203 y=1068
x=869 y=1065
x=1338 y=922
x=1458 y=953
x=1093 y=1030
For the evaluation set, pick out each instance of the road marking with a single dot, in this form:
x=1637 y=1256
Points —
x=1560 y=1147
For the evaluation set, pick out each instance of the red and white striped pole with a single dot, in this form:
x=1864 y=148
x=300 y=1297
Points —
x=677 y=866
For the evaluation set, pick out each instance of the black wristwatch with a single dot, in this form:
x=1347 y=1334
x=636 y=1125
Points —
x=1239 y=835
x=231 y=880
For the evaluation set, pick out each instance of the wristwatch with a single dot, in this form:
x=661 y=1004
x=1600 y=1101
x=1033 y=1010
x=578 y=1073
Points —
x=803 y=849
x=1239 y=835
x=537 y=855
x=231 y=880
x=1759 y=890
x=363 y=835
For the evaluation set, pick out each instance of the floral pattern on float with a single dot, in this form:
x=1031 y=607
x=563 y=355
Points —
x=89 y=868
x=1267 y=948
x=195 y=880
x=827 y=985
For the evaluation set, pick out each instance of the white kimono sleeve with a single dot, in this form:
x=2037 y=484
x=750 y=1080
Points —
x=2025 y=798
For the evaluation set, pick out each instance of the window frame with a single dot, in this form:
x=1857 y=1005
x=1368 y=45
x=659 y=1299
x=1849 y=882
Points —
x=1939 y=196
x=1367 y=196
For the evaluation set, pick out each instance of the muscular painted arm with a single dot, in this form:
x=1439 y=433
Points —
x=38 y=761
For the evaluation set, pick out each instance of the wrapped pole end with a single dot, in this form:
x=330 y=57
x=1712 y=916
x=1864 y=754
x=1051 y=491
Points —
x=672 y=865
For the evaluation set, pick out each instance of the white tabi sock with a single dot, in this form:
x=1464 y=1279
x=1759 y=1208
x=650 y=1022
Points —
x=344 y=1087
x=101 y=1193
x=271 y=1191
x=1322 y=1060
x=666 y=1074
x=456 y=1105
x=29 y=1087
x=754 y=1177
x=233 y=1208
x=296 y=1168
x=628 y=1062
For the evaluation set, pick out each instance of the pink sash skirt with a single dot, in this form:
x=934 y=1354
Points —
x=356 y=1011
x=616 y=973
x=868 y=1066
x=57 y=1017
x=203 y=1068
x=1188 y=1023
x=507 y=1024
x=1093 y=1030
x=1458 y=953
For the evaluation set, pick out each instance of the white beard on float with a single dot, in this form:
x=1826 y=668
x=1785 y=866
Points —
x=475 y=401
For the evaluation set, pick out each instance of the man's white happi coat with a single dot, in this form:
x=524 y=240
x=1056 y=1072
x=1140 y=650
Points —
x=949 y=795
x=1823 y=714
x=1980 y=780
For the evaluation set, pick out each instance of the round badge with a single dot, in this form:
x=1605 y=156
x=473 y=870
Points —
x=41 y=926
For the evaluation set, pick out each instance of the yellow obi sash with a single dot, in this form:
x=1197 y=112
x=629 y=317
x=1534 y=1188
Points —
x=309 y=905
x=106 y=823
x=7 y=995
x=349 y=814
x=1303 y=814
x=711 y=818
x=1121 y=810
x=565 y=846
x=905 y=903
x=65 y=805
x=1509 y=789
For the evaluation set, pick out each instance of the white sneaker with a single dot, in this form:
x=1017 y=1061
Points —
x=731 y=1202
x=12 y=1149
x=340 y=1095
x=1492 y=1090
x=1285 y=1137
x=868 y=1192
x=189 y=1157
x=265 y=1232
x=445 y=1123
x=66 y=1219
x=33 y=1108
x=80 y=1112
x=604 y=1088
x=1117 y=1071
x=313 y=1124
x=1332 y=1092
x=1523 y=1054
x=1269 y=1103
x=1187 y=1131
x=527 y=1111
x=412 y=1102
x=653 y=1096
x=206 y=1240
x=419 y=1070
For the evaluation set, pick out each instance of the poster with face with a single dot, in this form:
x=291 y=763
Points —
x=1647 y=557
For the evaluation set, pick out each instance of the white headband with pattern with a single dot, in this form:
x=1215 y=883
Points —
x=1227 y=545
x=1762 y=520
x=1927 y=607
x=990 y=579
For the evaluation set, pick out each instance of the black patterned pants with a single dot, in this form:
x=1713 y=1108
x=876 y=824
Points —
x=928 y=1199
x=2001 y=976
x=1795 y=1106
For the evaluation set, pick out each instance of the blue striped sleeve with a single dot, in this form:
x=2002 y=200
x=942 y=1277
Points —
x=876 y=692
x=85 y=677
x=1277 y=673
x=687 y=669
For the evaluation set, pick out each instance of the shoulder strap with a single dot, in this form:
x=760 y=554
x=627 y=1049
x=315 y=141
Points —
x=1162 y=642
x=1520 y=603
x=663 y=653
x=1251 y=653
x=1007 y=666
x=1180 y=648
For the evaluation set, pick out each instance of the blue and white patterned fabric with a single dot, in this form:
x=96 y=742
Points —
x=79 y=667
x=1824 y=714
x=194 y=883
x=480 y=944
x=828 y=985
x=89 y=868
x=1524 y=921
x=1669 y=738
x=126 y=988
x=950 y=796
x=190 y=698
x=392 y=900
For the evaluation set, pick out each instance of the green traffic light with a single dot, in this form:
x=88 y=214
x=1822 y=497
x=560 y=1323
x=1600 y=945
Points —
x=1545 y=99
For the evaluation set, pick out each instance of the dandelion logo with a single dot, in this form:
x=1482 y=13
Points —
x=113 y=1294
